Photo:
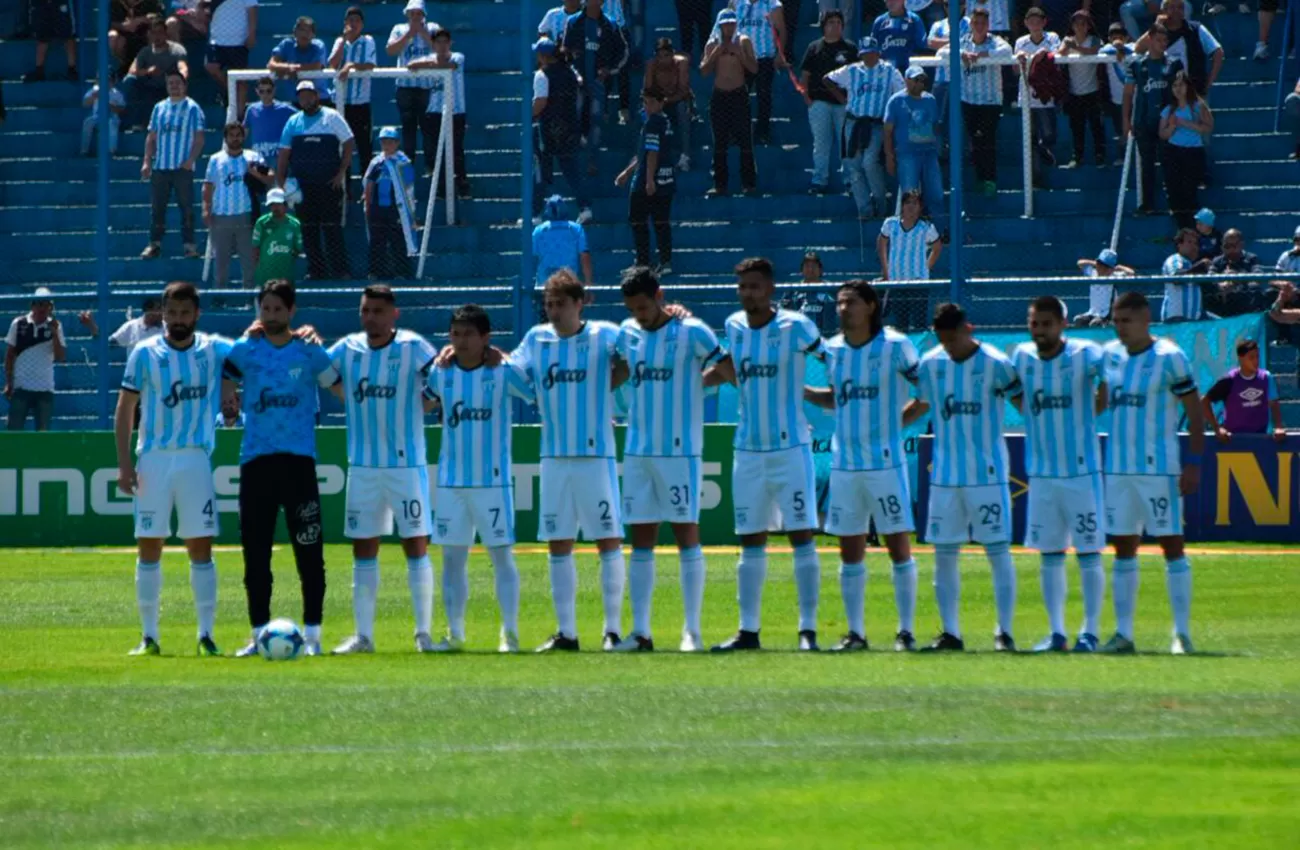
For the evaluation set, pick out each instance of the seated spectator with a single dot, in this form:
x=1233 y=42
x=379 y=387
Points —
x=670 y=73
x=1292 y=109
x=1101 y=295
x=302 y=52
x=189 y=20
x=390 y=209
x=116 y=108
x=1116 y=78
x=1209 y=238
x=900 y=34
x=1233 y=298
x=232 y=32
x=145 y=82
x=552 y=24
x=1182 y=300
x=1184 y=125
x=129 y=22
x=1289 y=260
x=34 y=343
x=1286 y=311
x=825 y=104
x=444 y=58
x=810 y=270
x=866 y=87
x=560 y=244
x=1083 y=107
x=1249 y=398
x=277 y=242
x=52 y=21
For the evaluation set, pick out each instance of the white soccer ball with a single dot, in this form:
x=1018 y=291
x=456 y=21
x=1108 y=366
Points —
x=292 y=192
x=280 y=640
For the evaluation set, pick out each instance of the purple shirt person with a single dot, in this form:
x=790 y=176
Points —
x=1249 y=398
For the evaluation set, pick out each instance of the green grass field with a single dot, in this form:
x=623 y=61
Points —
x=773 y=750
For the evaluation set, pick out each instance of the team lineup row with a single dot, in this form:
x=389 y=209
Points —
x=388 y=378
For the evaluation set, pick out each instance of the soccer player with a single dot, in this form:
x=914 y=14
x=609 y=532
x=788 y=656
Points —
x=277 y=459
x=571 y=364
x=384 y=370
x=1145 y=480
x=871 y=369
x=1062 y=391
x=964 y=383
x=475 y=483
x=774 y=482
x=176 y=379
x=662 y=471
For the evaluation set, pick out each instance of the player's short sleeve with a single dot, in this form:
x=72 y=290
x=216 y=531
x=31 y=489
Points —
x=1219 y=392
x=431 y=383
x=522 y=356
x=1093 y=363
x=1007 y=380
x=704 y=343
x=322 y=366
x=236 y=358
x=806 y=335
x=136 y=374
x=517 y=383
x=425 y=355
x=1178 y=372
x=608 y=337
x=906 y=362
x=923 y=381
x=336 y=353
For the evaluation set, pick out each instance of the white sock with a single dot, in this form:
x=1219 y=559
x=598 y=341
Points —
x=905 y=595
x=365 y=588
x=692 y=575
x=1004 y=584
x=947 y=586
x=853 y=587
x=613 y=578
x=1052 y=575
x=507 y=584
x=311 y=633
x=641 y=587
x=1124 y=581
x=1092 y=578
x=419 y=578
x=1178 y=577
x=751 y=573
x=455 y=588
x=148 y=595
x=807 y=581
x=203 y=581
x=564 y=593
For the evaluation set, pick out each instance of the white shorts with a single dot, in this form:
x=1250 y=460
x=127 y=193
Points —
x=180 y=479
x=661 y=489
x=376 y=497
x=962 y=514
x=859 y=497
x=774 y=491
x=462 y=511
x=1143 y=503
x=1065 y=511
x=579 y=494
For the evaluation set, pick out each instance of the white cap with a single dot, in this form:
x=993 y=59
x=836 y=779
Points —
x=304 y=85
x=414 y=6
x=43 y=293
x=275 y=196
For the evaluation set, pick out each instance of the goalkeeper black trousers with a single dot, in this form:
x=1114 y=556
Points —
x=266 y=485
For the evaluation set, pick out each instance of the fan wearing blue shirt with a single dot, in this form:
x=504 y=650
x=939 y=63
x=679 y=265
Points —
x=264 y=121
x=560 y=244
x=912 y=145
x=900 y=33
x=303 y=52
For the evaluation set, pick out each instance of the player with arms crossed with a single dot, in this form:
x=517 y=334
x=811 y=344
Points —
x=1145 y=480
x=964 y=383
x=666 y=356
x=871 y=369
x=175 y=379
x=475 y=481
x=773 y=480
x=1062 y=391
x=384 y=370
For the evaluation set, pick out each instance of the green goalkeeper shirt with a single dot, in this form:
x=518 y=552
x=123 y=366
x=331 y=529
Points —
x=280 y=241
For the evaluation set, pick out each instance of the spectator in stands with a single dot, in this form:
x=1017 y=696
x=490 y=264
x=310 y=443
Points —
x=557 y=135
x=911 y=144
x=669 y=72
x=1000 y=15
x=763 y=23
x=982 y=96
x=189 y=20
x=444 y=58
x=1185 y=123
x=231 y=416
x=1286 y=309
x=1101 y=295
x=694 y=21
x=232 y=32
x=552 y=24
x=1138 y=15
x=730 y=58
x=908 y=245
x=390 y=209
x=560 y=244
x=1189 y=43
x=900 y=34
x=316 y=149
x=1083 y=107
x=929 y=11
x=1292 y=108
x=1182 y=300
x=1042 y=113
x=865 y=87
x=1267 y=11
x=52 y=21
x=129 y=23
x=810 y=270
x=145 y=82
x=35 y=342
x=264 y=121
x=116 y=108
x=1146 y=91
x=1233 y=298
x=1289 y=260
x=653 y=184
x=171 y=150
x=133 y=331
x=408 y=42
x=1117 y=78
x=228 y=204
x=597 y=51
x=355 y=50
x=302 y=52
x=277 y=242
x=1249 y=398
x=617 y=15
x=825 y=103
x=938 y=42
x=1209 y=238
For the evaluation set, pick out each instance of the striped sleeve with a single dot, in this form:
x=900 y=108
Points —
x=1179 y=373
x=136 y=375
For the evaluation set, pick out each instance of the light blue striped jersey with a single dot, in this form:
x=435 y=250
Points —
x=999 y=13
x=967 y=408
x=383 y=389
x=666 y=387
x=475 y=448
x=226 y=173
x=439 y=87
x=175 y=123
x=868 y=89
x=982 y=85
x=940 y=30
x=361 y=52
x=754 y=19
x=416 y=48
x=770 y=362
x=1144 y=391
x=180 y=391
x=1059 y=394
x=282 y=386
x=613 y=10
x=872 y=384
x=572 y=378
x=1117 y=71
x=909 y=250
x=1182 y=300
x=552 y=25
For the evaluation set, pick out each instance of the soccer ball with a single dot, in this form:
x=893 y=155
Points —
x=292 y=192
x=280 y=640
